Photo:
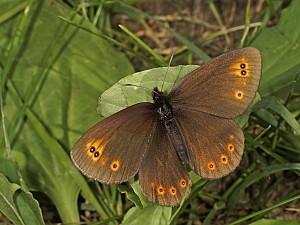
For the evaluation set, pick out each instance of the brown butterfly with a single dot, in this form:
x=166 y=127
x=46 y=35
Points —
x=193 y=124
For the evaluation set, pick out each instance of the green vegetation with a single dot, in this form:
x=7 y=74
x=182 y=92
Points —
x=57 y=57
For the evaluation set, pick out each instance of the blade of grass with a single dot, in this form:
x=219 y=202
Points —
x=229 y=30
x=33 y=91
x=144 y=46
x=274 y=104
x=265 y=149
x=13 y=49
x=15 y=10
x=191 y=46
x=247 y=24
x=16 y=43
x=111 y=40
x=255 y=177
x=215 y=12
x=6 y=140
x=264 y=211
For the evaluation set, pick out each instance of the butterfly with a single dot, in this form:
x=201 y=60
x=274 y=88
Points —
x=192 y=125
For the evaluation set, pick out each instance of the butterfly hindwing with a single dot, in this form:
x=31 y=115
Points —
x=162 y=175
x=112 y=150
x=214 y=145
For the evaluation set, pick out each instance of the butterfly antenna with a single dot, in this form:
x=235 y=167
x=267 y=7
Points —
x=162 y=86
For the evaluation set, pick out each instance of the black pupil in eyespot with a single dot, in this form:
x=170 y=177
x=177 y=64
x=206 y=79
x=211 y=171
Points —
x=92 y=149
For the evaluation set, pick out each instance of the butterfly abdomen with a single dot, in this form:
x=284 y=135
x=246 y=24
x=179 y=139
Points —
x=166 y=116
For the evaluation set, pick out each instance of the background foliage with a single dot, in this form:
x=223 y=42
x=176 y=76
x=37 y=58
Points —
x=57 y=57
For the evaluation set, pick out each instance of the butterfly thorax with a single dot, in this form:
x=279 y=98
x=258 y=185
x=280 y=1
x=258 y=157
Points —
x=163 y=107
x=166 y=115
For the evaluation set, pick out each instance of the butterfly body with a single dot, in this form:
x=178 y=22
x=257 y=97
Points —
x=167 y=119
x=193 y=124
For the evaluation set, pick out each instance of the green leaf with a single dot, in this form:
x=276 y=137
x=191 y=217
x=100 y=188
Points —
x=10 y=170
x=17 y=204
x=153 y=214
x=130 y=194
x=28 y=208
x=50 y=169
x=54 y=74
x=280 y=50
x=138 y=87
x=143 y=201
x=7 y=204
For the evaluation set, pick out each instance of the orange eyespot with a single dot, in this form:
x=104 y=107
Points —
x=239 y=95
x=172 y=191
x=231 y=137
x=224 y=159
x=160 y=190
x=240 y=67
x=182 y=183
x=211 y=166
x=94 y=145
x=230 y=147
x=115 y=165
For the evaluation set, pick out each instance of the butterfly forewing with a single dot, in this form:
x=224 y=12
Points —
x=162 y=175
x=225 y=86
x=112 y=150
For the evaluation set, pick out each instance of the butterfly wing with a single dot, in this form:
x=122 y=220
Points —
x=224 y=87
x=215 y=145
x=204 y=103
x=162 y=175
x=112 y=150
